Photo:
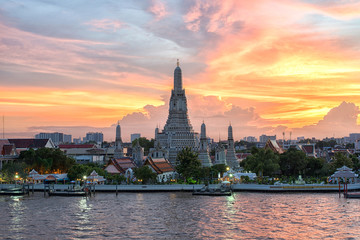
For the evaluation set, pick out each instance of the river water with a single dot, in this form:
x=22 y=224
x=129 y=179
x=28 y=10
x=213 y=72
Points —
x=180 y=216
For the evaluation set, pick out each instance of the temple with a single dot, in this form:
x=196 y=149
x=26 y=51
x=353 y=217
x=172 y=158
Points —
x=178 y=132
x=231 y=158
x=204 y=156
x=118 y=153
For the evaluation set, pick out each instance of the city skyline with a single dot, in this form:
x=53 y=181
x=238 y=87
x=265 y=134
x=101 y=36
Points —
x=266 y=67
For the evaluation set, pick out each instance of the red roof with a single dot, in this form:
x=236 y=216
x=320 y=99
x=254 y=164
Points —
x=7 y=149
x=2 y=143
x=77 y=146
x=273 y=146
x=160 y=165
x=308 y=149
x=122 y=164
x=29 y=142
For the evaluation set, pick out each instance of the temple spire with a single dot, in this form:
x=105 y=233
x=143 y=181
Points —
x=177 y=77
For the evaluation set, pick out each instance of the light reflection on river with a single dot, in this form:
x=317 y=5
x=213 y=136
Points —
x=180 y=216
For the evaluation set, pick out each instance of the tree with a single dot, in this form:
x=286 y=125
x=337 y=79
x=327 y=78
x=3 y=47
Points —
x=145 y=174
x=10 y=169
x=46 y=160
x=78 y=171
x=292 y=162
x=188 y=163
x=356 y=162
x=218 y=168
x=340 y=160
x=262 y=161
x=315 y=167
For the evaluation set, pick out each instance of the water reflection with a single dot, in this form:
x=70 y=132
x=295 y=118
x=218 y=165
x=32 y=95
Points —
x=181 y=216
x=16 y=208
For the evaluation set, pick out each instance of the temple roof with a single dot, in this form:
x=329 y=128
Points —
x=121 y=164
x=274 y=146
x=160 y=165
x=77 y=146
x=29 y=142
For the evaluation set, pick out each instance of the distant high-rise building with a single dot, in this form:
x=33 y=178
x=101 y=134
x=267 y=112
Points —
x=250 y=139
x=353 y=137
x=300 y=138
x=263 y=138
x=134 y=136
x=56 y=137
x=97 y=137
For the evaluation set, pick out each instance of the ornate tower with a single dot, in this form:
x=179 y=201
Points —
x=138 y=154
x=231 y=158
x=204 y=148
x=220 y=157
x=178 y=133
x=118 y=153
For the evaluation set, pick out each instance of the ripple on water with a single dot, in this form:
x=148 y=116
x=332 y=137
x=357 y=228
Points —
x=181 y=216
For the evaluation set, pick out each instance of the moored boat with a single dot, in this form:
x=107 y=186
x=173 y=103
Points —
x=68 y=193
x=352 y=195
x=14 y=191
x=223 y=190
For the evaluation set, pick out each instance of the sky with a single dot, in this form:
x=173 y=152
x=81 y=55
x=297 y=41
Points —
x=265 y=66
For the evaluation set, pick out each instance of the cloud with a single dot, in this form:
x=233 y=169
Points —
x=105 y=25
x=338 y=122
x=158 y=8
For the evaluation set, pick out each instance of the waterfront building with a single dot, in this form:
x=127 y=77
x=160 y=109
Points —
x=204 y=156
x=23 y=144
x=7 y=152
x=118 y=153
x=178 y=132
x=162 y=167
x=10 y=148
x=84 y=153
x=231 y=158
x=120 y=166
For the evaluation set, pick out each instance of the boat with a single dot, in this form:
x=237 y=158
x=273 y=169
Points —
x=223 y=190
x=352 y=195
x=72 y=191
x=68 y=193
x=16 y=191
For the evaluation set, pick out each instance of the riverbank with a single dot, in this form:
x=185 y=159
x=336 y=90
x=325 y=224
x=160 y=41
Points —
x=189 y=188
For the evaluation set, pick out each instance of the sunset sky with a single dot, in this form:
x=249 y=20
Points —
x=264 y=66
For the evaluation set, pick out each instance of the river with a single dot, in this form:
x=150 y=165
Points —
x=180 y=216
